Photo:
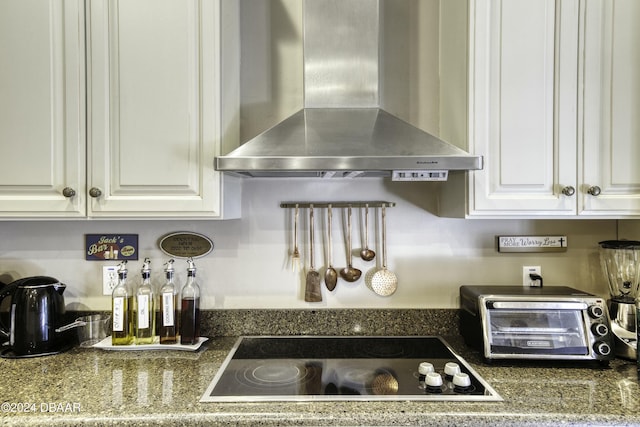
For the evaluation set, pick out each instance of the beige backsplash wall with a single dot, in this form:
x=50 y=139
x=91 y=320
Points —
x=249 y=266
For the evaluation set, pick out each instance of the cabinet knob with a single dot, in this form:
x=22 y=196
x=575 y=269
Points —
x=68 y=192
x=95 y=192
x=568 y=191
x=594 y=191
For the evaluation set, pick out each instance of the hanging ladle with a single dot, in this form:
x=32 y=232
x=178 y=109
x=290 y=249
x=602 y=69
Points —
x=330 y=275
x=349 y=273
x=366 y=253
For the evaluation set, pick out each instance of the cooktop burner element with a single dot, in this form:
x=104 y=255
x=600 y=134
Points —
x=304 y=368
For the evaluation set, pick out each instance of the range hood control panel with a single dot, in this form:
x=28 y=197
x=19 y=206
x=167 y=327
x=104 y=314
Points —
x=419 y=175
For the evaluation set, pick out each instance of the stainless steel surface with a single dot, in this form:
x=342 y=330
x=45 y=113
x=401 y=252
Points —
x=339 y=38
x=312 y=291
x=343 y=130
x=568 y=191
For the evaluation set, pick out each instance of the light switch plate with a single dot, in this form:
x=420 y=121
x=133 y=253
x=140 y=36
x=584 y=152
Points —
x=109 y=278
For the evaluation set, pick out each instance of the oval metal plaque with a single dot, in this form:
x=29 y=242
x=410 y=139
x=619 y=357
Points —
x=186 y=244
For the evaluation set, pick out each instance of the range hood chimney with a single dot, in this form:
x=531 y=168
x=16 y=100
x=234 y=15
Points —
x=342 y=131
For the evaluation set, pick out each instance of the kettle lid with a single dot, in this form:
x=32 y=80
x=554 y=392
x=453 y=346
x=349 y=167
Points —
x=38 y=281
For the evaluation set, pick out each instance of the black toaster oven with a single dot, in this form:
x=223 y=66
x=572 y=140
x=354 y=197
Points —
x=551 y=322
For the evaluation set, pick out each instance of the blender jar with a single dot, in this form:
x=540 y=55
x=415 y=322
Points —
x=621 y=264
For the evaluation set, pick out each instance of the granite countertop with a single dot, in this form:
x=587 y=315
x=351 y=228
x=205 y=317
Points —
x=96 y=387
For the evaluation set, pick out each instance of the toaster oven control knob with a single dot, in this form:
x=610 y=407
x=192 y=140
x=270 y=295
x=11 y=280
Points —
x=599 y=329
x=602 y=348
x=451 y=368
x=595 y=311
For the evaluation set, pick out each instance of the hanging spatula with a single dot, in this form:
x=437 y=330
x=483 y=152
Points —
x=312 y=292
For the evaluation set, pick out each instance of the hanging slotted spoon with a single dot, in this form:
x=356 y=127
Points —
x=312 y=291
x=384 y=282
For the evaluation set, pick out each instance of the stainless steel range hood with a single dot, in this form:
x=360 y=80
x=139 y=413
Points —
x=342 y=131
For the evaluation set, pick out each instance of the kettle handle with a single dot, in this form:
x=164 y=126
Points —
x=5 y=292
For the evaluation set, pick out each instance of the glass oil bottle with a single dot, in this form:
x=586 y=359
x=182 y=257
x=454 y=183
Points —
x=144 y=314
x=190 y=308
x=121 y=298
x=167 y=321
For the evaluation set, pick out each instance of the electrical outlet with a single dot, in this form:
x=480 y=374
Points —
x=109 y=278
x=526 y=271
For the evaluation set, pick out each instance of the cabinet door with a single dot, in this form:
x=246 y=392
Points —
x=523 y=91
x=611 y=108
x=154 y=107
x=42 y=108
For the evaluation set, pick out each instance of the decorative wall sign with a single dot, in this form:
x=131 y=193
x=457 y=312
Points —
x=186 y=244
x=531 y=243
x=106 y=247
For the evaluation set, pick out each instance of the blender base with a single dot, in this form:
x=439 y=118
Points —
x=623 y=346
x=623 y=327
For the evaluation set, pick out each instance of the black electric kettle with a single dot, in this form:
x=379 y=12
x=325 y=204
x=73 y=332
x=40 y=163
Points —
x=37 y=308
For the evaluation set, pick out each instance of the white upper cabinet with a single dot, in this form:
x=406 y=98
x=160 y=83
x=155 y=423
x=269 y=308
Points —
x=157 y=109
x=609 y=116
x=42 y=109
x=522 y=106
x=552 y=93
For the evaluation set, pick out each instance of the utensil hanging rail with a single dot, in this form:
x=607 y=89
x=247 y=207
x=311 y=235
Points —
x=320 y=205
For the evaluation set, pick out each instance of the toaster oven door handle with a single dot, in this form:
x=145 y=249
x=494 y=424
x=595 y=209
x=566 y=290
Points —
x=534 y=305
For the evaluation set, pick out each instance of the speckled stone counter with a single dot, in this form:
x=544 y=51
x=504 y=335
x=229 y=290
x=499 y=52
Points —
x=96 y=387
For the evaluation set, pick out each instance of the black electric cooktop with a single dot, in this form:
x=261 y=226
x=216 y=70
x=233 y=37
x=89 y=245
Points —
x=306 y=368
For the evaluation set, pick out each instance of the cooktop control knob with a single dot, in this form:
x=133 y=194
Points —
x=599 y=329
x=433 y=382
x=451 y=368
x=461 y=382
x=595 y=311
x=602 y=348
x=425 y=367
